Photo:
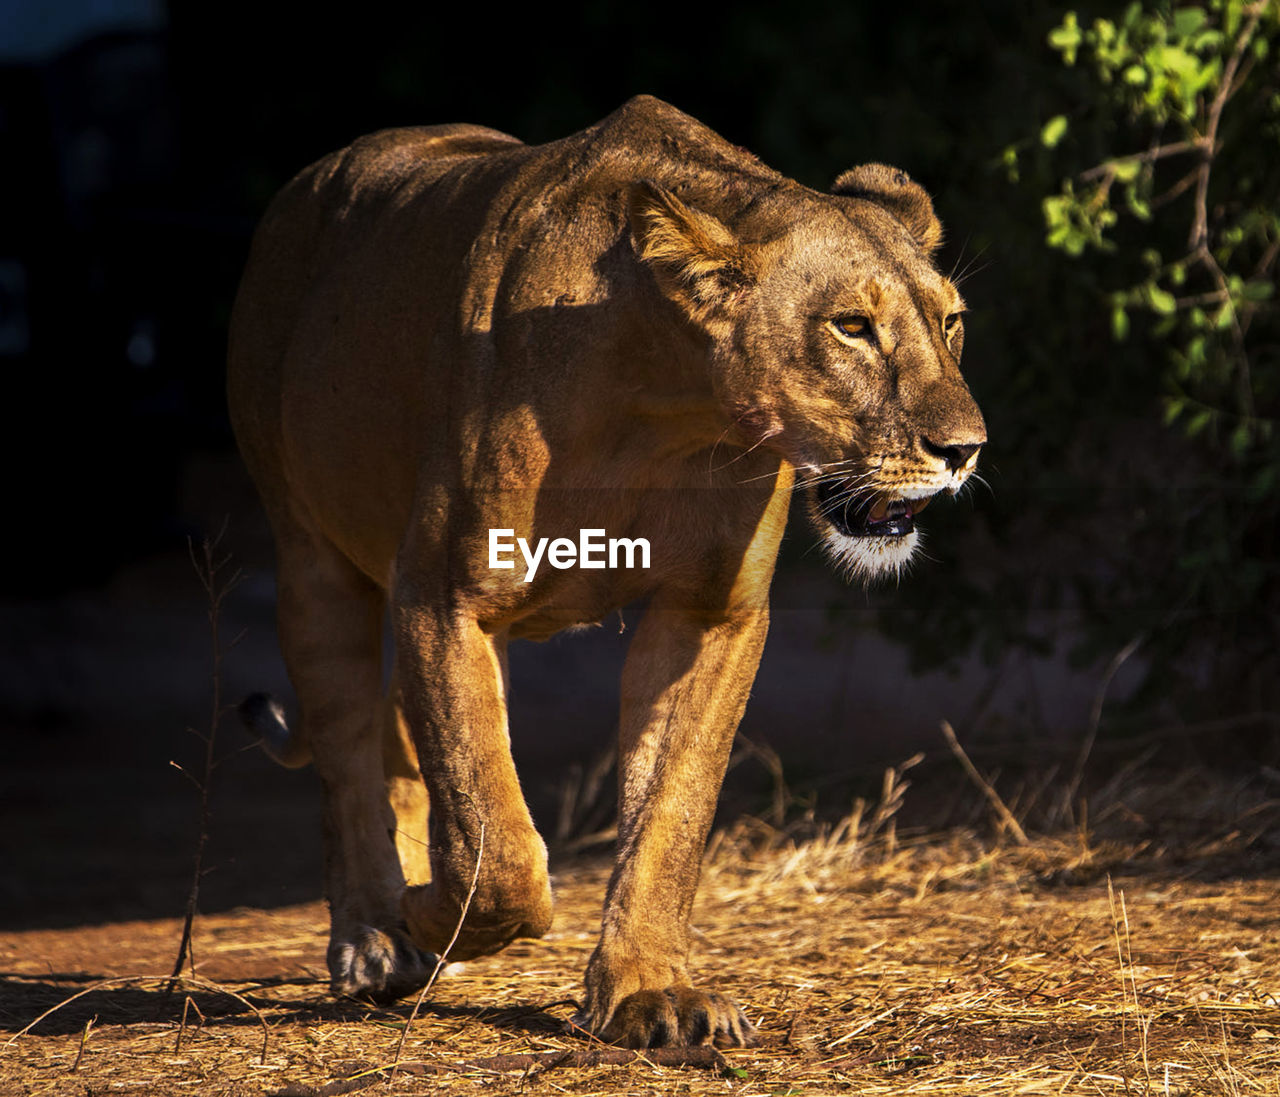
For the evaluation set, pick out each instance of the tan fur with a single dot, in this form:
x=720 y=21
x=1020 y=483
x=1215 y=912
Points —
x=442 y=331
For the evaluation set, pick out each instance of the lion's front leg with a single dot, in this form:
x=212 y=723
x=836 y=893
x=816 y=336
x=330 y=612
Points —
x=684 y=688
x=486 y=858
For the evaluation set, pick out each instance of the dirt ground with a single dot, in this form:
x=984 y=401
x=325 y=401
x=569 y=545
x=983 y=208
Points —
x=871 y=961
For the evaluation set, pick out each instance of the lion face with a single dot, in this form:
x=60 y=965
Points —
x=836 y=343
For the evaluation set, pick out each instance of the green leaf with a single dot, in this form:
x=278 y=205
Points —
x=1206 y=41
x=1054 y=207
x=1231 y=22
x=1177 y=61
x=1197 y=423
x=1186 y=21
x=1119 y=323
x=1062 y=233
x=1053 y=131
x=1066 y=38
x=1009 y=158
x=1161 y=300
x=1126 y=170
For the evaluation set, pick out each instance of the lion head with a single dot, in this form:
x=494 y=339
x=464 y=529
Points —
x=833 y=340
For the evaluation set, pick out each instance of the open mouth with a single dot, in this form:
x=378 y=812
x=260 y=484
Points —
x=859 y=515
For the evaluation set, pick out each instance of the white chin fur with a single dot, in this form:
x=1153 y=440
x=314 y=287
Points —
x=868 y=558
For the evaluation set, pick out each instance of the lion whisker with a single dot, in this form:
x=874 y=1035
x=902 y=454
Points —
x=829 y=472
x=962 y=275
x=749 y=450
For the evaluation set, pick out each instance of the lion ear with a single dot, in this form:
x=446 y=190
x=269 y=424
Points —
x=898 y=193
x=696 y=259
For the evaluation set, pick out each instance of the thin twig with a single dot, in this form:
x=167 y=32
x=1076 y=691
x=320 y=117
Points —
x=143 y=980
x=189 y=1003
x=84 y=1039
x=1095 y=719
x=1108 y=168
x=1006 y=816
x=1144 y=1024
x=207 y=570
x=1268 y=259
x=1115 y=931
x=443 y=958
x=534 y=1064
x=1176 y=191
x=1226 y=89
x=1195 y=300
x=1199 y=238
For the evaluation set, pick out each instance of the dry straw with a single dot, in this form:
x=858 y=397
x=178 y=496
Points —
x=1134 y=955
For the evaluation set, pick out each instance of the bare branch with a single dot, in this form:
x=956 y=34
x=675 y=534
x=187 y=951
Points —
x=1177 y=148
x=207 y=567
x=1177 y=190
x=84 y=1039
x=1226 y=89
x=1244 y=383
x=1268 y=259
x=993 y=797
x=190 y=777
x=1095 y=718
x=443 y=958
x=144 y=980
x=1214 y=297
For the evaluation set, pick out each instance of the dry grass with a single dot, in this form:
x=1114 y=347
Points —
x=1140 y=956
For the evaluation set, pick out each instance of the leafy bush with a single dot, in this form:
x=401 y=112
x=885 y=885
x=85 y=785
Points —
x=1130 y=371
x=1173 y=199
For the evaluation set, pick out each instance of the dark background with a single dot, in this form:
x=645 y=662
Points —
x=138 y=153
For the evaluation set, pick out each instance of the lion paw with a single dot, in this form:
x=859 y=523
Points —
x=378 y=965
x=677 y=1016
x=431 y=918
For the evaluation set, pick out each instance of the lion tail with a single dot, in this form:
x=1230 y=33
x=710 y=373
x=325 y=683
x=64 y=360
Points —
x=264 y=717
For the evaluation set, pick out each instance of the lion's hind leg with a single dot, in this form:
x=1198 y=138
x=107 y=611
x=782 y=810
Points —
x=406 y=792
x=330 y=618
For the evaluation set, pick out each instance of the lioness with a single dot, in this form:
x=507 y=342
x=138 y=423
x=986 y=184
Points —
x=443 y=332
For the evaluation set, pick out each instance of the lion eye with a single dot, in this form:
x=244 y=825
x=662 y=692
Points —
x=852 y=328
x=950 y=324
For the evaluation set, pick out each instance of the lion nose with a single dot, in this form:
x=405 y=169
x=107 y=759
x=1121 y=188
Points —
x=955 y=455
